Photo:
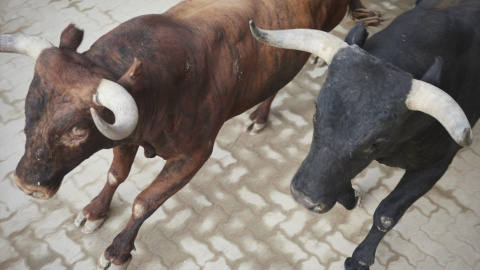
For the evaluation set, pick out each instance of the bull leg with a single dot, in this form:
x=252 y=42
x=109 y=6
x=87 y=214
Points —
x=95 y=213
x=412 y=186
x=176 y=173
x=259 y=117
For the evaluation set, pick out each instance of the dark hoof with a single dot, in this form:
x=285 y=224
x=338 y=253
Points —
x=351 y=264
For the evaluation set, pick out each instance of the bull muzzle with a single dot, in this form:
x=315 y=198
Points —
x=38 y=192
x=314 y=206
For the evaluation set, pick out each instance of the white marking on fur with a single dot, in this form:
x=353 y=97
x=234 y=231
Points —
x=138 y=210
x=112 y=180
x=386 y=223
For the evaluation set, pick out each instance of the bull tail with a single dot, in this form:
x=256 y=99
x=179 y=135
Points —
x=369 y=17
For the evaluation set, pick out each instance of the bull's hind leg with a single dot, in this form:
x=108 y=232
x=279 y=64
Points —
x=176 y=173
x=412 y=186
x=95 y=213
x=259 y=117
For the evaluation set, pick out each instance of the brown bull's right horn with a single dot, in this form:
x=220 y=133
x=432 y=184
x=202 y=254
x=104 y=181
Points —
x=121 y=103
x=317 y=42
x=23 y=44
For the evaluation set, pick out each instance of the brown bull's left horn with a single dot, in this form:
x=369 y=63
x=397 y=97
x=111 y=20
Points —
x=121 y=103
x=433 y=101
x=317 y=42
x=23 y=44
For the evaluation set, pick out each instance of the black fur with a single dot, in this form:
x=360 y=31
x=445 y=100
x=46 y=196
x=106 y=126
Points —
x=361 y=113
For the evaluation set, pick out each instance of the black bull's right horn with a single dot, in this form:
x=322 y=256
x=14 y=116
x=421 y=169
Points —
x=422 y=96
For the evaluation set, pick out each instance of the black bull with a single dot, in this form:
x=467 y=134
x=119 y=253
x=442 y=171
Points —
x=383 y=100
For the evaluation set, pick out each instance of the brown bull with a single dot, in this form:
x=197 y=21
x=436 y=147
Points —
x=164 y=82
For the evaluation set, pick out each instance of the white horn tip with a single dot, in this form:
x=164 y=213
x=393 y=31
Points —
x=466 y=138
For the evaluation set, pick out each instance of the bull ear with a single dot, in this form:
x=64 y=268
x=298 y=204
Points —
x=132 y=80
x=71 y=38
x=133 y=73
x=357 y=36
x=433 y=74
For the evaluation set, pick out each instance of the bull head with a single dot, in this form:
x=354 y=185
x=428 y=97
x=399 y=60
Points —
x=355 y=119
x=60 y=116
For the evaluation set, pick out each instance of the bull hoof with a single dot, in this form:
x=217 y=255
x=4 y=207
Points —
x=88 y=226
x=351 y=264
x=254 y=128
x=358 y=199
x=104 y=264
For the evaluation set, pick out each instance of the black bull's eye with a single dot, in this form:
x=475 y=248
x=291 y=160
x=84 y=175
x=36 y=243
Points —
x=376 y=145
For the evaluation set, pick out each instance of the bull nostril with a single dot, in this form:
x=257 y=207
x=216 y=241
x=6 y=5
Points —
x=308 y=202
x=320 y=208
x=302 y=198
x=28 y=191
x=37 y=195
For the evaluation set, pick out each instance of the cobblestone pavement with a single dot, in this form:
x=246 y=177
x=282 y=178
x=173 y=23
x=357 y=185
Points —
x=237 y=213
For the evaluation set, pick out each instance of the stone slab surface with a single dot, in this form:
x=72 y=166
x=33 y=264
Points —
x=237 y=213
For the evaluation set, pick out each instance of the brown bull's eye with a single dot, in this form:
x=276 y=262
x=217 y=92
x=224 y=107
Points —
x=74 y=137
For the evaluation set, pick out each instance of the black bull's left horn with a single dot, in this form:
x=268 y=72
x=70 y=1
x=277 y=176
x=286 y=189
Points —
x=422 y=97
x=431 y=100
x=109 y=94
x=320 y=43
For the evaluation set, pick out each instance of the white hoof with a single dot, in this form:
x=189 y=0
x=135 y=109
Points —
x=359 y=199
x=248 y=125
x=91 y=226
x=88 y=226
x=80 y=220
x=257 y=128
x=253 y=127
x=104 y=264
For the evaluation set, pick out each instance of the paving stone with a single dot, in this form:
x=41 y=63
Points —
x=237 y=213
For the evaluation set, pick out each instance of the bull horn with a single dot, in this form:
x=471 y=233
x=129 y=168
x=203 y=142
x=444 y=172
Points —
x=121 y=103
x=23 y=44
x=433 y=101
x=317 y=42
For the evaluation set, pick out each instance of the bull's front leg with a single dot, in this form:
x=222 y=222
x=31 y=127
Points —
x=95 y=213
x=176 y=173
x=259 y=117
x=412 y=186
